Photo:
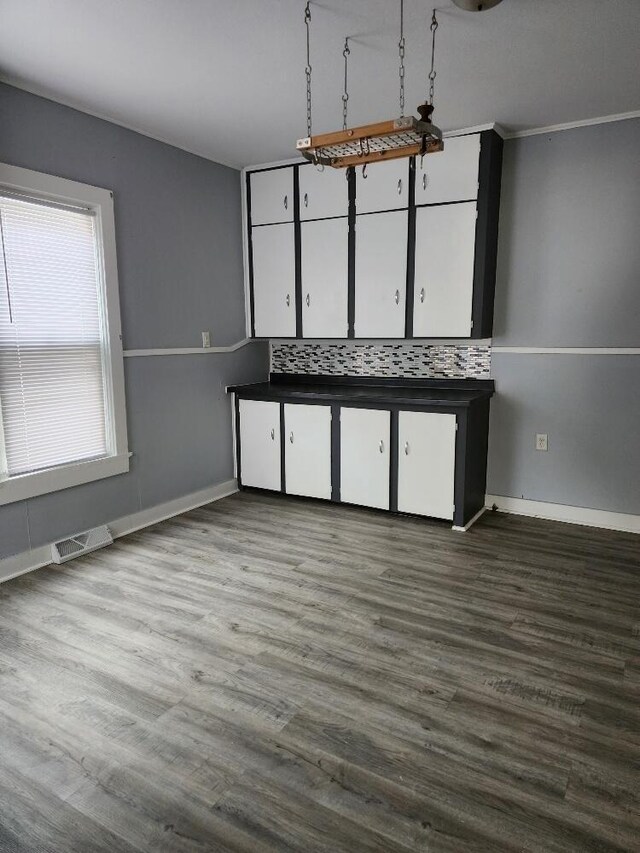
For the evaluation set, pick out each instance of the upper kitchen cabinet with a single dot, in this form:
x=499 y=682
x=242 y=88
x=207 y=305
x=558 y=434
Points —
x=324 y=250
x=274 y=281
x=407 y=249
x=271 y=196
x=456 y=238
x=380 y=275
x=384 y=186
x=323 y=193
x=444 y=259
x=449 y=175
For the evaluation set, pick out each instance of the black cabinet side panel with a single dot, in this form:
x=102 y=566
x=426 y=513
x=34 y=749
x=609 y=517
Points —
x=297 y=249
x=351 y=286
x=411 y=251
x=236 y=403
x=250 y=258
x=475 y=452
x=484 y=275
x=283 y=438
x=393 y=454
x=335 y=452
x=460 y=475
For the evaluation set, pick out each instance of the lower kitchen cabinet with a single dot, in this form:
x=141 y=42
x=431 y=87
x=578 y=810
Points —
x=365 y=457
x=426 y=463
x=417 y=449
x=259 y=433
x=307 y=450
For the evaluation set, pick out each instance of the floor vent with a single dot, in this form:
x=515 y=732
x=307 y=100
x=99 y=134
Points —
x=81 y=543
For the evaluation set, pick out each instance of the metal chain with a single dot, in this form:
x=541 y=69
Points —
x=401 y=55
x=345 y=94
x=307 y=70
x=432 y=73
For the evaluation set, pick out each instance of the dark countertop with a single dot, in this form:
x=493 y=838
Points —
x=438 y=393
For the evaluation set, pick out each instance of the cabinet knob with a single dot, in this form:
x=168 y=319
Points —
x=424 y=181
x=397 y=297
x=273 y=435
x=381 y=446
x=306 y=200
x=286 y=202
x=399 y=186
x=288 y=300
x=308 y=300
x=291 y=437
x=422 y=294
x=406 y=448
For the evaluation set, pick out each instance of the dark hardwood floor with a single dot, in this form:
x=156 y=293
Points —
x=272 y=674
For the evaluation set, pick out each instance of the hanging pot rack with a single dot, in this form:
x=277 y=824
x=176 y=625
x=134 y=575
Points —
x=406 y=136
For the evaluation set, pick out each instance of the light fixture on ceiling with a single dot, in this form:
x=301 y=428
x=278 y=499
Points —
x=476 y=5
x=373 y=143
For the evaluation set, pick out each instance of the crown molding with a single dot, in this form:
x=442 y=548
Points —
x=571 y=125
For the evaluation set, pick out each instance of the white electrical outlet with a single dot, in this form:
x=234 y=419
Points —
x=206 y=339
x=541 y=441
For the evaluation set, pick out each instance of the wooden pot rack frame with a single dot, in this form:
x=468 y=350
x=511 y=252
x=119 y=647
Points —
x=372 y=143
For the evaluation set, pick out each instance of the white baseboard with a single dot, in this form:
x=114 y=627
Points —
x=464 y=528
x=20 y=564
x=571 y=514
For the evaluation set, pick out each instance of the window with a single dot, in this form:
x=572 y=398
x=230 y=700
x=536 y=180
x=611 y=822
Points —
x=62 y=417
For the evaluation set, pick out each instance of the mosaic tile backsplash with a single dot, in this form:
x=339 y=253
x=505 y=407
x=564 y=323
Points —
x=424 y=361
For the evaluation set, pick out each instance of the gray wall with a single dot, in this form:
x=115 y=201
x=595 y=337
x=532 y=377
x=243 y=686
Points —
x=569 y=276
x=178 y=232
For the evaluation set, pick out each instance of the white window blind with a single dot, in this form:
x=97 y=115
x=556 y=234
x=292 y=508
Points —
x=53 y=406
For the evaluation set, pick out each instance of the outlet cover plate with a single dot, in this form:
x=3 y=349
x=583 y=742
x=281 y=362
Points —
x=542 y=442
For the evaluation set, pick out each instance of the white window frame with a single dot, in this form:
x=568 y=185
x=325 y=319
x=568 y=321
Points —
x=100 y=202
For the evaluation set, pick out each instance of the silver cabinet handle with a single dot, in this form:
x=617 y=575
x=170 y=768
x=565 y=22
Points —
x=397 y=297
x=424 y=181
x=308 y=300
x=399 y=186
x=291 y=437
x=273 y=435
x=381 y=446
x=422 y=294
x=288 y=300
x=406 y=448
x=286 y=202
x=306 y=200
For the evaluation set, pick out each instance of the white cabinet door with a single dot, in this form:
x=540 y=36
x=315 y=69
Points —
x=272 y=196
x=381 y=275
x=307 y=450
x=325 y=266
x=385 y=187
x=443 y=287
x=274 y=309
x=260 y=444
x=364 y=457
x=426 y=463
x=449 y=175
x=323 y=193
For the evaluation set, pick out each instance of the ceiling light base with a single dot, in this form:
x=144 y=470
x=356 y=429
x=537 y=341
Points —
x=476 y=5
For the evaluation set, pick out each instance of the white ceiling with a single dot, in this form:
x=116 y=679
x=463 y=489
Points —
x=225 y=78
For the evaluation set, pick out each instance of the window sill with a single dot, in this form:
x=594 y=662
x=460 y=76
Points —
x=54 y=479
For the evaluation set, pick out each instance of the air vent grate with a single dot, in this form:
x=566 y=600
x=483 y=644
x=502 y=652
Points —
x=81 y=543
